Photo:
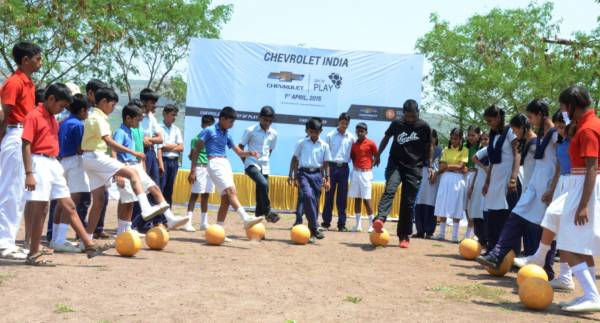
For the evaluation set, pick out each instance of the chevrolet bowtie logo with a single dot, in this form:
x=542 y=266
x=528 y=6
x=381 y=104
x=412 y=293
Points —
x=286 y=76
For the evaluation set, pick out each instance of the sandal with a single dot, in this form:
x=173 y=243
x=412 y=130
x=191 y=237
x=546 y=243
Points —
x=97 y=249
x=37 y=261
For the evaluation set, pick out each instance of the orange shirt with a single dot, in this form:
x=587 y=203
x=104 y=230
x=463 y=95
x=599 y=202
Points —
x=19 y=92
x=586 y=141
x=362 y=153
x=41 y=130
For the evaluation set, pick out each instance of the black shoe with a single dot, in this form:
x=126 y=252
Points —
x=272 y=217
x=312 y=239
x=322 y=229
x=325 y=226
x=418 y=235
x=296 y=223
x=319 y=235
x=488 y=261
x=343 y=229
x=429 y=236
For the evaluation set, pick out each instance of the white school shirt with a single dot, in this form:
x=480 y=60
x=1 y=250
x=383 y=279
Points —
x=312 y=154
x=171 y=135
x=150 y=127
x=257 y=139
x=340 y=145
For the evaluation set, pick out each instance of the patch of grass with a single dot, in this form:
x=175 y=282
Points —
x=353 y=299
x=437 y=245
x=290 y=321
x=63 y=308
x=463 y=293
x=5 y=277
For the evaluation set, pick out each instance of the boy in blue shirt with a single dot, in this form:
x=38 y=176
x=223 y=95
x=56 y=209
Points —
x=132 y=116
x=217 y=139
x=310 y=171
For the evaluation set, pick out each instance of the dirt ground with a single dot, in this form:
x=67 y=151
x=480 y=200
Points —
x=339 y=279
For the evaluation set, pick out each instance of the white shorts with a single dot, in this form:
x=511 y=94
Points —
x=220 y=173
x=50 y=184
x=100 y=168
x=203 y=184
x=77 y=179
x=126 y=193
x=360 y=184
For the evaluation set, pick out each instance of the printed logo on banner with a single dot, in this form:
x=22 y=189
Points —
x=336 y=79
x=286 y=76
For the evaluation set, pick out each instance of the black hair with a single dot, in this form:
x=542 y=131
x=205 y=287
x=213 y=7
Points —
x=362 y=125
x=521 y=121
x=344 y=116
x=558 y=117
x=208 y=119
x=476 y=130
x=539 y=107
x=39 y=95
x=456 y=132
x=79 y=103
x=267 y=111
x=94 y=85
x=228 y=113
x=494 y=111
x=137 y=103
x=409 y=106
x=148 y=95
x=107 y=93
x=314 y=123
x=170 y=108
x=576 y=96
x=59 y=91
x=25 y=49
x=132 y=111
x=434 y=137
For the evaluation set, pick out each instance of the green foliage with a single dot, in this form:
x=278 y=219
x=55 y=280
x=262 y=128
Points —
x=353 y=299
x=176 y=90
x=114 y=40
x=62 y=308
x=505 y=58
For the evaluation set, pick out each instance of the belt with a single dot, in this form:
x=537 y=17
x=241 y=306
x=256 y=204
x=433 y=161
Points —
x=338 y=164
x=201 y=165
x=45 y=155
x=131 y=163
x=170 y=157
x=580 y=171
x=15 y=126
x=362 y=169
x=213 y=157
x=472 y=169
x=310 y=169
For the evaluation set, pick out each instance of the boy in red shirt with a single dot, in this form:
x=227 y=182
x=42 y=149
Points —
x=363 y=154
x=18 y=98
x=44 y=175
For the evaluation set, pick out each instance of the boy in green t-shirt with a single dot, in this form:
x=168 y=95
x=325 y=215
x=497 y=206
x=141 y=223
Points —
x=202 y=184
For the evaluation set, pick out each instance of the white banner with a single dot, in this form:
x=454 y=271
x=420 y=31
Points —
x=298 y=83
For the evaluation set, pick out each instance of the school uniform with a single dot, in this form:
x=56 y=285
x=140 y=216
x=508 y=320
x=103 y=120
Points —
x=450 y=199
x=425 y=220
x=361 y=184
x=551 y=221
x=150 y=127
x=475 y=205
x=311 y=156
x=203 y=184
x=340 y=146
x=216 y=140
x=171 y=135
x=580 y=239
x=18 y=91
x=501 y=157
x=255 y=138
x=524 y=221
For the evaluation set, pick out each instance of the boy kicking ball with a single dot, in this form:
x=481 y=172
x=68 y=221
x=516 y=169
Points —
x=217 y=139
x=44 y=180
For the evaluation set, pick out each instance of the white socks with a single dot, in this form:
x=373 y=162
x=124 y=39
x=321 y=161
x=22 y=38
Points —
x=54 y=231
x=540 y=255
x=144 y=203
x=169 y=215
x=204 y=218
x=565 y=271
x=455 y=227
x=221 y=223
x=242 y=213
x=584 y=276
x=442 y=233
x=469 y=232
x=123 y=226
x=61 y=233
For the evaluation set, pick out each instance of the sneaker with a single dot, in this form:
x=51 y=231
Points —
x=489 y=261
x=12 y=253
x=312 y=239
x=428 y=236
x=404 y=244
x=66 y=247
x=319 y=235
x=418 y=235
x=252 y=220
x=370 y=229
x=203 y=226
x=357 y=228
x=562 y=283
x=154 y=210
x=322 y=229
x=176 y=221
x=571 y=302
x=455 y=240
x=523 y=261
x=584 y=305
x=343 y=229
x=439 y=237
x=227 y=239
x=378 y=226
x=272 y=217
x=139 y=234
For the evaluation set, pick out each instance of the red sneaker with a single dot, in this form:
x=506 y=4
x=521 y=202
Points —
x=404 y=244
x=378 y=226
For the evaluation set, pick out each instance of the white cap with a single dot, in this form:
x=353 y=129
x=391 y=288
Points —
x=73 y=87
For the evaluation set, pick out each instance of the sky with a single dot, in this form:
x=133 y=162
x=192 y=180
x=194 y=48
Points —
x=374 y=25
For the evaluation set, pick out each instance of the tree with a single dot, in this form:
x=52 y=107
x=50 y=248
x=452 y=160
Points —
x=500 y=58
x=115 y=40
x=176 y=90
